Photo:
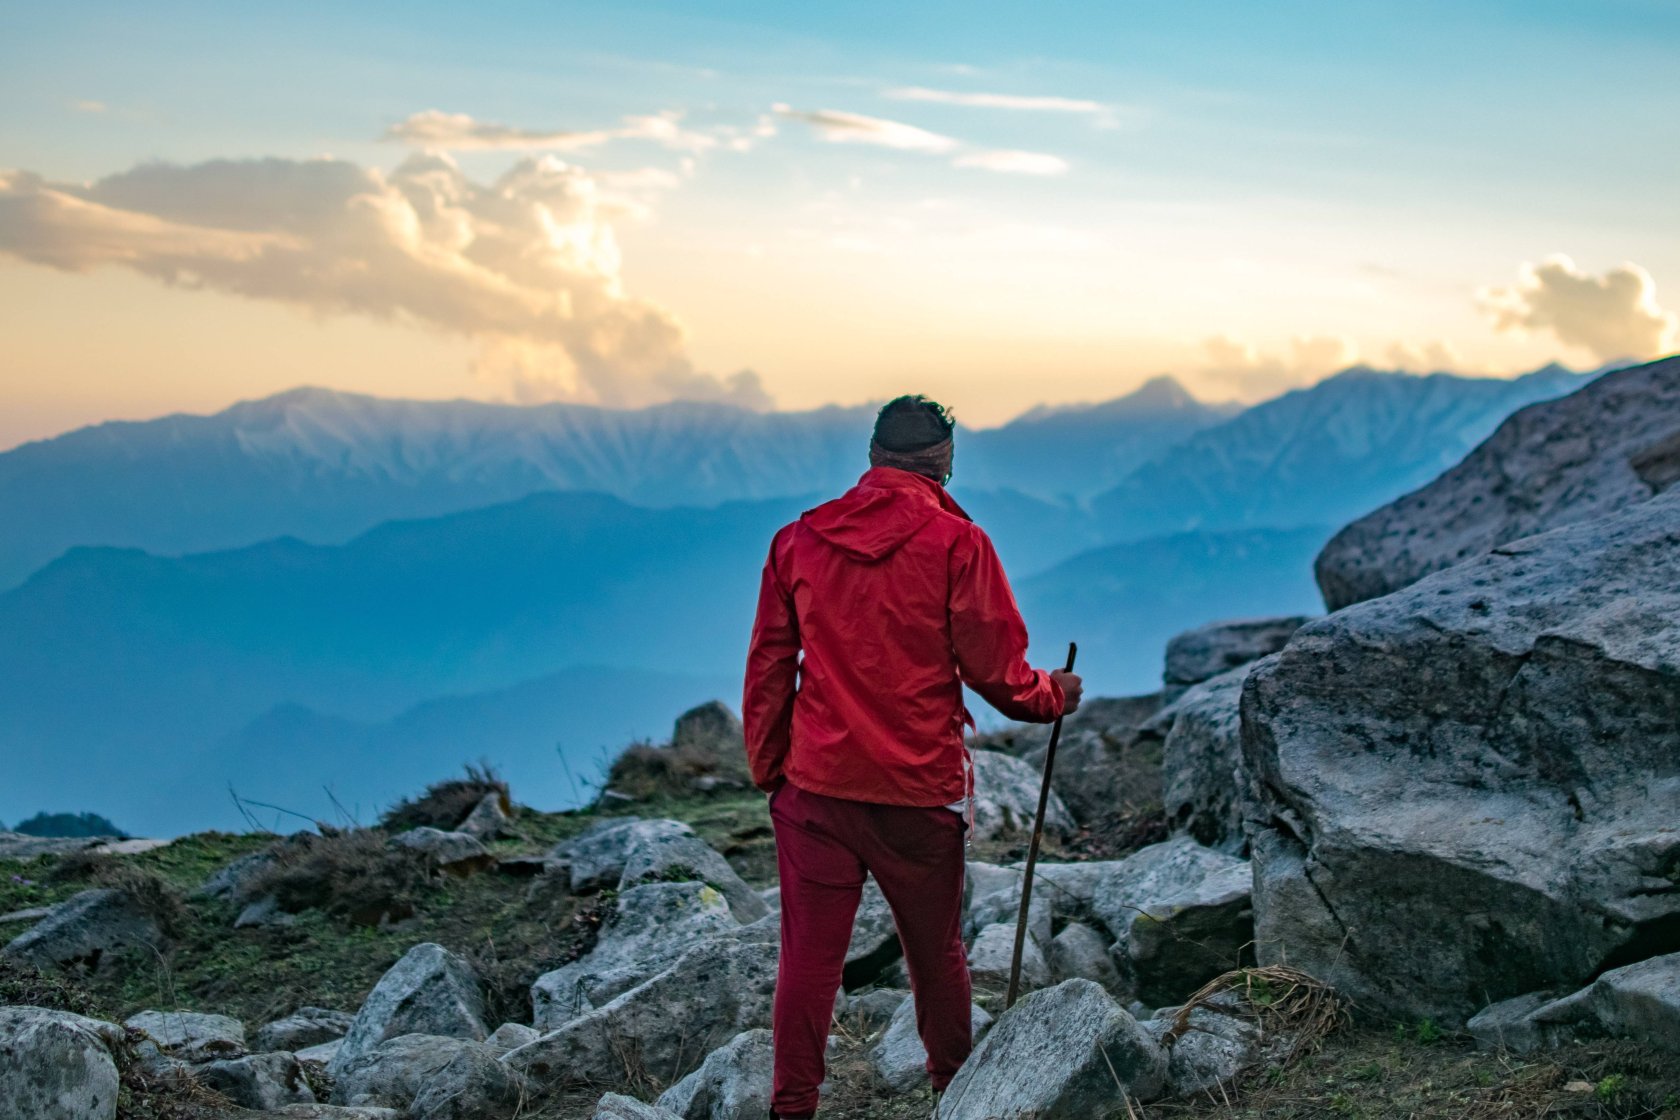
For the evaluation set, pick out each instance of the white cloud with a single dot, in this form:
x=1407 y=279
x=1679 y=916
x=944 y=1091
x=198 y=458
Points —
x=88 y=106
x=527 y=265
x=839 y=127
x=436 y=130
x=1237 y=368
x=1015 y=163
x=997 y=100
x=1611 y=316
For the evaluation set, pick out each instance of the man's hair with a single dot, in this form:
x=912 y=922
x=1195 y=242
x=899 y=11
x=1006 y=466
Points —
x=912 y=423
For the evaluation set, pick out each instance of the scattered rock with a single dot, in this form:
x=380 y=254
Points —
x=510 y=1036
x=130 y=846
x=430 y=991
x=488 y=820
x=1510 y=1024
x=616 y=1107
x=86 y=928
x=716 y=990
x=1081 y=953
x=231 y=881
x=995 y=896
x=900 y=1060
x=1608 y=446
x=1066 y=1053
x=1215 y=1051
x=874 y=1009
x=453 y=853
x=667 y=855
x=191 y=1036
x=1639 y=1001
x=1217 y=648
x=651 y=926
x=1473 y=780
x=1180 y=915
x=1205 y=790
x=258 y=1081
x=1006 y=798
x=733 y=1083
x=321 y=1053
x=432 y=1078
x=596 y=855
x=1100 y=767
x=990 y=959
x=307 y=1026
x=58 y=1066
x=335 y=1112
x=21 y=846
x=263 y=913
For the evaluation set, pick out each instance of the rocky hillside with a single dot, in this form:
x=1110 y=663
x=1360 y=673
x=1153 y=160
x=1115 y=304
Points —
x=1418 y=857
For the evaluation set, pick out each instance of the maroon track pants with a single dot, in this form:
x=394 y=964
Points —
x=824 y=845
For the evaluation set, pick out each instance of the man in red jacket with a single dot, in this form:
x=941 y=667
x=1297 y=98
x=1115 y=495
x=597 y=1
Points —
x=874 y=610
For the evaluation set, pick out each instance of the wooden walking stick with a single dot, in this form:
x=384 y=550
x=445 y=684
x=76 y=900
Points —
x=1032 y=852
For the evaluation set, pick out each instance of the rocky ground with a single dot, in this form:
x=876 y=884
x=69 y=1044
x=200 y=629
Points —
x=1419 y=858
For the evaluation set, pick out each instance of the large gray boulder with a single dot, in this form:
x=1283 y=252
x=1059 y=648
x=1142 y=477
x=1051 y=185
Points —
x=1066 y=1053
x=614 y=1106
x=1006 y=798
x=1214 y=1050
x=665 y=855
x=305 y=1027
x=733 y=1083
x=430 y=991
x=1219 y=647
x=258 y=1081
x=1180 y=914
x=1608 y=446
x=1473 y=780
x=595 y=857
x=1205 y=790
x=899 y=1058
x=1104 y=763
x=1081 y=953
x=651 y=926
x=994 y=895
x=453 y=853
x=719 y=988
x=86 y=929
x=992 y=956
x=432 y=1078
x=57 y=1066
x=191 y=1036
x=1639 y=1001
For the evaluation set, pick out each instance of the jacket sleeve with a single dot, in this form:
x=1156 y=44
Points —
x=990 y=639
x=772 y=678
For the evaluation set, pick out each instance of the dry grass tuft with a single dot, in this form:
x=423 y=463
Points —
x=446 y=804
x=1290 y=1007
x=355 y=873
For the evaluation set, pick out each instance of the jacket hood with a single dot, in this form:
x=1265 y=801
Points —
x=886 y=508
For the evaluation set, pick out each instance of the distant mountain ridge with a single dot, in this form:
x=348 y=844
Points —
x=324 y=465
x=1321 y=455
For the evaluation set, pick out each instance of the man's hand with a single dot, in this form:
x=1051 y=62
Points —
x=1072 y=689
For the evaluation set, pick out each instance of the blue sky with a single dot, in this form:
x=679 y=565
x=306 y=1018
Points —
x=1240 y=194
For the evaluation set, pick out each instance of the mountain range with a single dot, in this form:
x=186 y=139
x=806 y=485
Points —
x=322 y=589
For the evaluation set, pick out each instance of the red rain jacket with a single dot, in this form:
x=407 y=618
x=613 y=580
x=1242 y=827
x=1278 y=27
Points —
x=896 y=599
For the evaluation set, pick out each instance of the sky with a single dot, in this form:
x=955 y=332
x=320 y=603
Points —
x=787 y=205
